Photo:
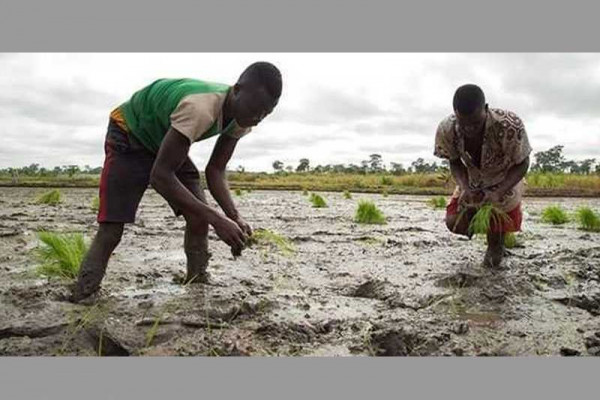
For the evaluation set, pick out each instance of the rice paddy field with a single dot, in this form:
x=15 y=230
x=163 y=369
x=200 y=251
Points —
x=315 y=282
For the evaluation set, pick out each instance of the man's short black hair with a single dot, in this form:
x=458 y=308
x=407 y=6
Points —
x=468 y=98
x=266 y=75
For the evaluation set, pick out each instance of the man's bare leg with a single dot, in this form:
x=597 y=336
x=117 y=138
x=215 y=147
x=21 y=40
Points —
x=495 y=250
x=196 y=250
x=94 y=264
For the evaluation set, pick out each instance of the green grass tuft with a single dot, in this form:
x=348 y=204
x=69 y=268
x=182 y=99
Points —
x=60 y=254
x=384 y=193
x=347 y=195
x=368 y=213
x=238 y=192
x=485 y=217
x=437 y=202
x=95 y=204
x=588 y=219
x=511 y=240
x=267 y=239
x=305 y=192
x=51 y=198
x=317 y=201
x=554 y=215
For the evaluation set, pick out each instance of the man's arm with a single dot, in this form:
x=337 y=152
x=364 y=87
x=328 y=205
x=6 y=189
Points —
x=513 y=176
x=216 y=179
x=459 y=172
x=171 y=155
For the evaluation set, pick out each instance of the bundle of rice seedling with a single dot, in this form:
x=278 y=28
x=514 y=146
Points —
x=51 y=198
x=368 y=213
x=511 y=240
x=588 y=219
x=266 y=239
x=437 y=202
x=60 y=254
x=95 y=204
x=485 y=218
x=317 y=201
x=554 y=215
x=238 y=192
x=347 y=194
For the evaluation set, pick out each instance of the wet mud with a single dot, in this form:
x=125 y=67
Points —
x=407 y=288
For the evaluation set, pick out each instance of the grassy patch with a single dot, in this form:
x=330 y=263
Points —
x=317 y=201
x=60 y=254
x=368 y=213
x=554 y=215
x=269 y=240
x=437 y=202
x=238 y=192
x=588 y=219
x=384 y=193
x=347 y=195
x=51 y=198
x=387 y=180
x=486 y=217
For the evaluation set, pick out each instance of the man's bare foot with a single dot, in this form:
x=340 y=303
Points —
x=203 y=277
x=495 y=251
x=83 y=296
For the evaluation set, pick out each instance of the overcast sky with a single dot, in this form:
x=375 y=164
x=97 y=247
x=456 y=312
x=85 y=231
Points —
x=335 y=108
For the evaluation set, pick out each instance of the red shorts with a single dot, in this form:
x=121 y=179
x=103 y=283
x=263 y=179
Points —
x=512 y=224
x=126 y=176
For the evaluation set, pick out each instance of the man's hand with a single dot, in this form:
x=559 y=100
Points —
x=470 y=197
x=493 y=196
x=244 y=226
x=230 y=233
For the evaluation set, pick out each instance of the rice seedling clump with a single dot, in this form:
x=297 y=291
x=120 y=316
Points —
x=269 y=240
x=554 y=215
x=347 y=194
x=368 y=213
x=95 y=204
x=588 y=219
x=60 y=254
x=317 y=201
x=437 y=202
x=238 y=192
x=485 y=218
x=511 y=240
x=51 y=198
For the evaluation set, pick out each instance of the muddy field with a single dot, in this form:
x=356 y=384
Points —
x=405 y=288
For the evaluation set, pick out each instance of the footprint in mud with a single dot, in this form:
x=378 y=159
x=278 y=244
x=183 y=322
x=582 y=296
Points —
x=372 y=289
x=400 y=342
x=592 y=344
x=460 y=279
x=588 y=302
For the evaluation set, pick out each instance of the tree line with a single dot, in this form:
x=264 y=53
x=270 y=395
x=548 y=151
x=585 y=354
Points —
x=551 y=160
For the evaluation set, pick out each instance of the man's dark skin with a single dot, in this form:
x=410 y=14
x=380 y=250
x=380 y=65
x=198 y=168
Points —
x=473 y=128
x=248 y=103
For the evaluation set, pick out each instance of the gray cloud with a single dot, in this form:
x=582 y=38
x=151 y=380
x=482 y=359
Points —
x=323 y=106
x=566 y=85
x=60 y=117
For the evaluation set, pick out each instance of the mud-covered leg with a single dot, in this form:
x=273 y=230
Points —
x=495 y=250
x=94 y=264
x=196 y=250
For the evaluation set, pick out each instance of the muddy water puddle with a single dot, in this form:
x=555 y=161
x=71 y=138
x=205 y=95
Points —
x=404 y=288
